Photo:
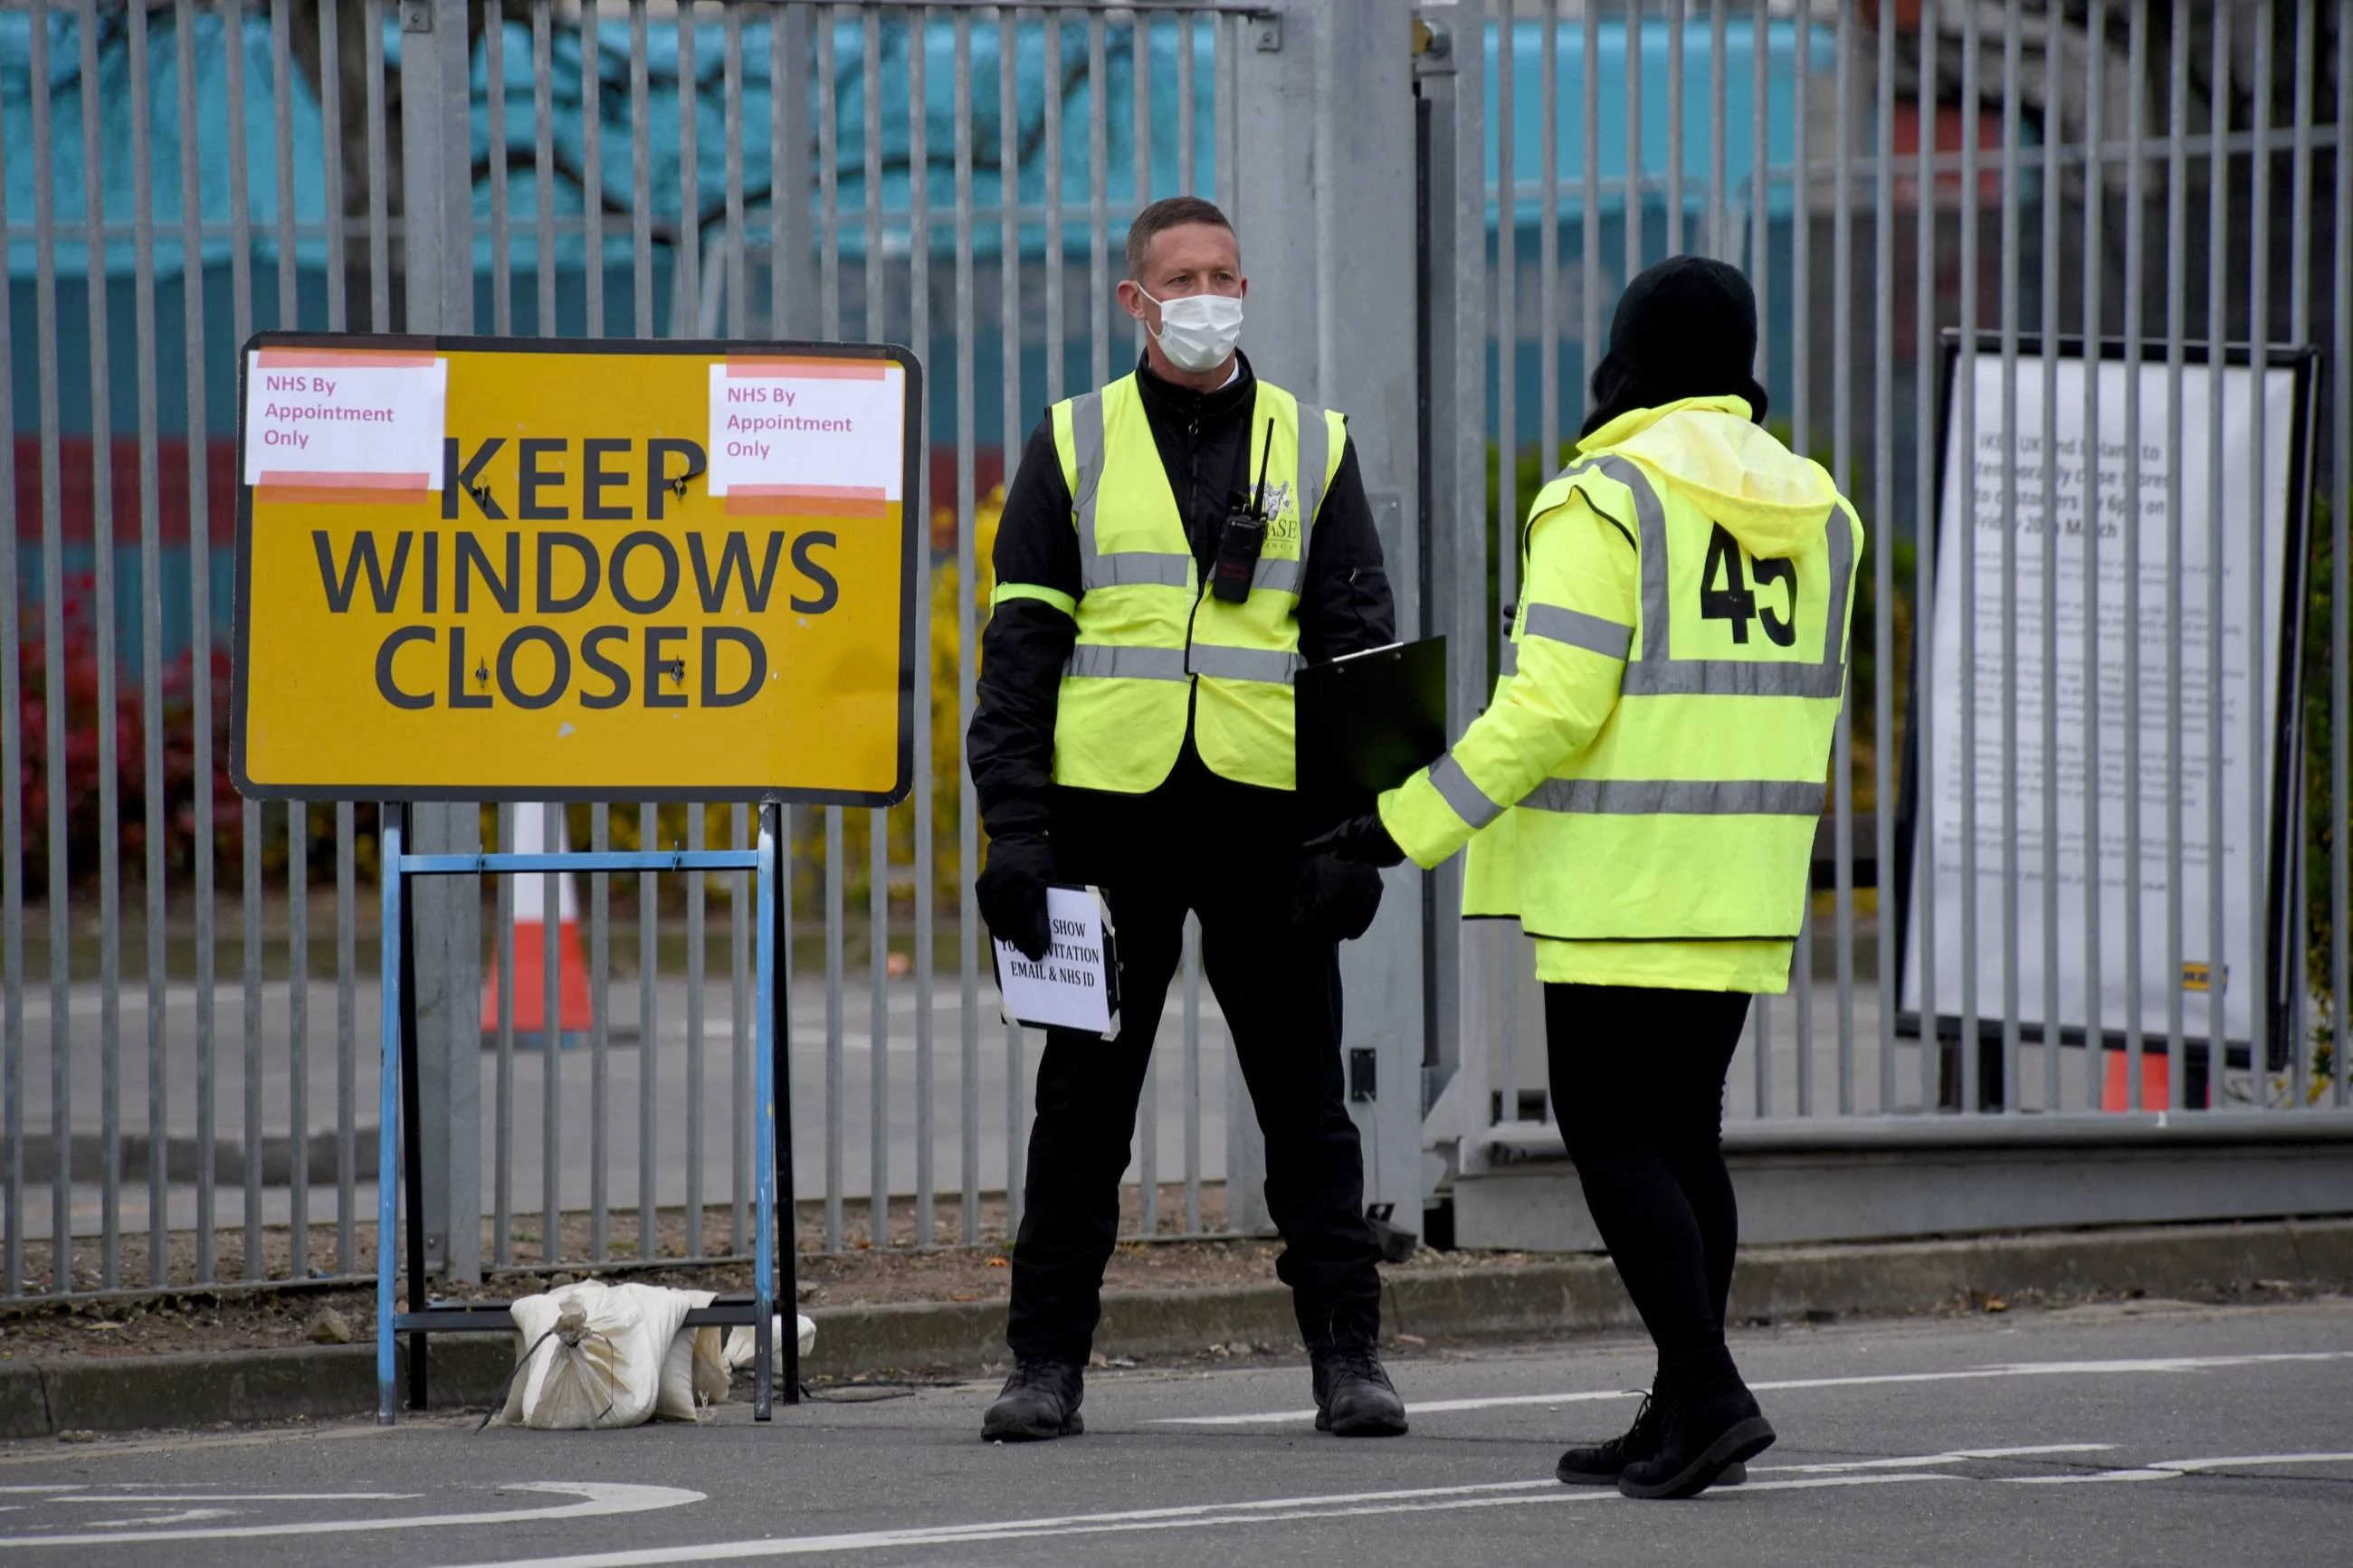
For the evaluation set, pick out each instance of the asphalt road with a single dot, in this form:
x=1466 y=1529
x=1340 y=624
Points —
x=2094 y=1435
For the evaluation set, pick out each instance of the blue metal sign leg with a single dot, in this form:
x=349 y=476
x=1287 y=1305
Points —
x=388 y=1121
x=777 y=1109
x=764 y=1125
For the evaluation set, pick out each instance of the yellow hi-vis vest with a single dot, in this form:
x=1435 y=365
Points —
x=1691 y=815
x=1153 y=647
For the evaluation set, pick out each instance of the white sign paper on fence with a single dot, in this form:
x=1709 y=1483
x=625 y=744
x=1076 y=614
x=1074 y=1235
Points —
x=1941 y=874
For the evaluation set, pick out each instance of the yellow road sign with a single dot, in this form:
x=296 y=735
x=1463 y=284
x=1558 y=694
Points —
x=484 y=569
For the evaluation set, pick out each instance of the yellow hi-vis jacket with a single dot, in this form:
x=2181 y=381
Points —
x=1154 y=648
x=1645 y=788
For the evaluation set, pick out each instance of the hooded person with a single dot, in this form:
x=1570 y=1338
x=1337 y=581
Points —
x=1641 y=795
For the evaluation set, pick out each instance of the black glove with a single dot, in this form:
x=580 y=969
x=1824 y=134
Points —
x=1334 y=900
x=1011 y=890
x=1362 y=839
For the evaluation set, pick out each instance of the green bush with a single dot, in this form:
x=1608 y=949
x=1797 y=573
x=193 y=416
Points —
x=2325 y=835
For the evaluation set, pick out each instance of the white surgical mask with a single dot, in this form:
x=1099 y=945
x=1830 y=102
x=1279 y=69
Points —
x=1198 y=331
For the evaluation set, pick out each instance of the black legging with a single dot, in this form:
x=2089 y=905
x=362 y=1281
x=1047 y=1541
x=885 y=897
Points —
x=1638 y=1084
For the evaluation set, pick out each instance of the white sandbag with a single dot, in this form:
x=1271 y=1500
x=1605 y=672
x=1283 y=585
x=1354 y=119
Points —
x=742 y=1346
x=595 y=1355
x=711 y=1371
x=694 y=1371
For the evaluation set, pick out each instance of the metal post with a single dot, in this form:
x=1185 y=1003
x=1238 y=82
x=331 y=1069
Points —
x=919 y=515
x=1269 y=72
x=1503 y=1057
x=1321 y=229
x=436 y=206
x=1454 y=482
x=12 y=832
x=1923 y=594
x=877 y=879
x=968 y=858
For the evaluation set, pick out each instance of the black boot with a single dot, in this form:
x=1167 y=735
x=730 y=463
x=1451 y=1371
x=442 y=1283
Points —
x=1040 y=1400
x=1711 y=1422
x=1354 y=1396
x=1603 y=1463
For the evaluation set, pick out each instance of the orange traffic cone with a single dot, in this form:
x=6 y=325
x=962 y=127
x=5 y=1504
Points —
x=535 y=826
x=2156 y=1082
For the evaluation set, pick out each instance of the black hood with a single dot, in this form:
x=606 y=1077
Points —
x=1685 y=328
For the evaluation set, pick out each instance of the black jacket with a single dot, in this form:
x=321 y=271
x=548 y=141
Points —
x=1343 y=603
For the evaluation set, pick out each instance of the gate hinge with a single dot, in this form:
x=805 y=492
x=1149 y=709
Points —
x=1266 y=34
x=416 y=16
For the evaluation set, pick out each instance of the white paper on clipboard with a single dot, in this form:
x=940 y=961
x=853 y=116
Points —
x=1076 y=985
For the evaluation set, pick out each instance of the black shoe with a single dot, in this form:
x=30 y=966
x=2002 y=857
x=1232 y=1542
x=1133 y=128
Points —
x=1354 y=1396
x=1040 y=1400
x=1712 y=1423
x=1602 y=1464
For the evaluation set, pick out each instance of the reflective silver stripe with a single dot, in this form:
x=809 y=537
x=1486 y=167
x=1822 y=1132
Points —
x=1314 y=454
x=1842 y=544
x=1087 y=436
x=1510 y=652
x=1680 y=798
x=1280 y=577
x=1245 y=664
x=1730 y=678
x=1455 y=788
x=1577 y=629
x=1097 y=661
x=1126 y=568
x=1650 y=522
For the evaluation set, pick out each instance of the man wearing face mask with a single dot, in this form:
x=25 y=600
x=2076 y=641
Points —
x=1173 y=547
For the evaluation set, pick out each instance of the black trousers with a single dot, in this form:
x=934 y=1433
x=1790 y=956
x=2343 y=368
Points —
x=1638 y=1084
x=1229 y=854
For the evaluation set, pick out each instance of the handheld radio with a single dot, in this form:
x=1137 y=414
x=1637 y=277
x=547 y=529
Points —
x=1242 y=537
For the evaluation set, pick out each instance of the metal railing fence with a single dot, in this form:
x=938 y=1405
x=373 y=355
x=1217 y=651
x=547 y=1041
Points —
x=951 y=176
x=174 y=1115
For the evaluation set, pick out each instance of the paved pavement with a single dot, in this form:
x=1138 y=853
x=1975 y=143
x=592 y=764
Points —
x=2101 y=1435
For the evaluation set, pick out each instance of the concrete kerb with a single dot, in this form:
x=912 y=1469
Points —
x=1537 y=1300
x=131 y=1394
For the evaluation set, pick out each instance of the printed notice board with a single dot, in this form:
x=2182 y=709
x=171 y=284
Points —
x=2096 y=660
x=504 y=568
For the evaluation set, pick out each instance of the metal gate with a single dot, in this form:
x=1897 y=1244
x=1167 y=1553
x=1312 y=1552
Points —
x=1908 y=186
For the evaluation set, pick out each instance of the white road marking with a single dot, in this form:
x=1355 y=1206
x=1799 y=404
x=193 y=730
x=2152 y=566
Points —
x=2161 y=1366
x=100 y=1496
x=1902 y=1470
x=185 y=1516
x=1954 y=1457
x=1817 y=1482
x=2173 y=1470
x=1276 y=1511
x=596 y=1497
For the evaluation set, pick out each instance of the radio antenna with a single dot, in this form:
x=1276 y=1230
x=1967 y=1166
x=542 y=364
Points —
x=1258 y=501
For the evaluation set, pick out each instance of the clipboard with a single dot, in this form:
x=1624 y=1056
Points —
x=1367 y=722
x=1075 y=987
